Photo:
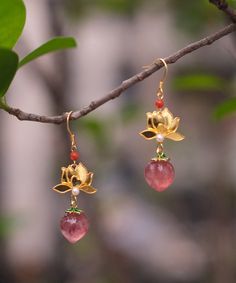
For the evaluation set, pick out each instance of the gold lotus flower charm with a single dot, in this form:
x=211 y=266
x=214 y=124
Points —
x=75 y=178
x=161 y=125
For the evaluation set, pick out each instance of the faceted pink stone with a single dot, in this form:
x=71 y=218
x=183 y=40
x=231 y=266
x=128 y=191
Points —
x=74 y=226
x=159 y=174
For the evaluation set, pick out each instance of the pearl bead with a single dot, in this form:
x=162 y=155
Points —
x=75 y=191
x=160 y=138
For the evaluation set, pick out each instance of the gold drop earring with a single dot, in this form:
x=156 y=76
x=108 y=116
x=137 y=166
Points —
x=74 y=178
x=161 y=125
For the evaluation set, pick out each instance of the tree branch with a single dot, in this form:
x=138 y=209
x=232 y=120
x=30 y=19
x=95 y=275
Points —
x=223 y=5
x=21 y=115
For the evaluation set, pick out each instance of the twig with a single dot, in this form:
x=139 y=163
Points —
x=21 y=115
x=223 y=5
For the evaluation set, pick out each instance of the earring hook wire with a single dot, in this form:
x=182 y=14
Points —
x=72 y=135
x=166 y=70
x=160 y=92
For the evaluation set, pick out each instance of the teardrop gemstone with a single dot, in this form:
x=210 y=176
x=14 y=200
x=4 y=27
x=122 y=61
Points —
x=74 y=226
x=159 y=174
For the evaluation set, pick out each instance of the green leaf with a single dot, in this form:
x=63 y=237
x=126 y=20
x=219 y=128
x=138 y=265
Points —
x=8 y=66
x=226 y=108
x=199 y=82
x=55 y=44
x=12 y=21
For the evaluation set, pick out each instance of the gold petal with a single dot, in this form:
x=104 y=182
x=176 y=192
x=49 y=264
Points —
x=149 y=120
x=174 y=125
x=82 y=172
x=160 y=117
x=161 y=129
x=175 y=136
x=88 y=189
x=62 y=188
x=155 y=120
x=71 y=170
x=148 y=134
x=63 y=174
x=168 y=117
x=75 y=181
x=89 y=178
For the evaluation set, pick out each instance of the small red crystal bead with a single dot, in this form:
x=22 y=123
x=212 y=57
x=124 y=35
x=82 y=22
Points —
x=159 y=174
x=74 y=155
x=74 y=226
x=159 y=103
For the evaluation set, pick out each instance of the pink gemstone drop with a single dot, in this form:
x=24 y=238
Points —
x=159 y=174
x=74 y=226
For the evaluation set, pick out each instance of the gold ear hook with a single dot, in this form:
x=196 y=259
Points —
x=72 y=135
x=160 y=91
x=166 y=70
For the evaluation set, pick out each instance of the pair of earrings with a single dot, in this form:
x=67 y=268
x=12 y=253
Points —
x=159 y=172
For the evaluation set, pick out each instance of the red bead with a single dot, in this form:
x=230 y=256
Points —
x=74 y=155
x=74 y=226
x=159 y=103
x=159 y=174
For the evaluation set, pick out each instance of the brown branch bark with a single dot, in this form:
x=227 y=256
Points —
x=223 y=5
x=21 y=115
